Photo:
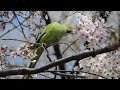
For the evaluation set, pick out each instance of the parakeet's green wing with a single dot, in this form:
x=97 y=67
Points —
x=46 y=29
x=43 y=33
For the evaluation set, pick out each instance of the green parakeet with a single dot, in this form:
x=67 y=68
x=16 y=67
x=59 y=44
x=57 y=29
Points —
x=50 y=35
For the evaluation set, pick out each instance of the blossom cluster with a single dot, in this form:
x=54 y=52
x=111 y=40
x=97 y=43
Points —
x=4 y=51
x=107 y=65
x=24 y=51
x=92 y=28
x=33 y=22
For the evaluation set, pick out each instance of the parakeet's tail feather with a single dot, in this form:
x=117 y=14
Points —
x=38 y=52
x=32 y=65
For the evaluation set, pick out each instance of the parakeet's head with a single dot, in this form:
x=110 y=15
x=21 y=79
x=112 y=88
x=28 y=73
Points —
x=68 y=28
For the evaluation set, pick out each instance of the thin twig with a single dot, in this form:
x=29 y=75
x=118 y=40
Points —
x=69 y=46
x=14 y=27
x=67 y=16
x=47 y=53
x=45 y=76
x=55 y=74
x=18 y=40
x=68 y=75
x=22 y=31
x=76 y=71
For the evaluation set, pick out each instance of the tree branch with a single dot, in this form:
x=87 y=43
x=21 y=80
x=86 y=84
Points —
x=23 y=71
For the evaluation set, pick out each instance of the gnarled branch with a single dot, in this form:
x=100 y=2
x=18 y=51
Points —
x=23 y=71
